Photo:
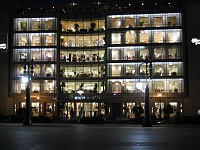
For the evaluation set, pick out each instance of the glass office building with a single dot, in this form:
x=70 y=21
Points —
x=91 y=58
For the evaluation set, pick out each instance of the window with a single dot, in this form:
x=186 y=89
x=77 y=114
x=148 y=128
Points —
x=82 y=41
x=23 y=26
x=173 y=53
x=21 y=40
x=158 y=36
x=173 y=36
x=159 y=53
x=49 y=70
x=173 y=86
x=158 y=69
x=80 y=72
x=49 y=108
x=82 y=56
x=36 y=40
x=130 y=37
x=35 y=25
x=116 y=54
x=171 y=21
x=129 y=21
x=36 y=70
x=143 y=70
x=23 y=56
x=101 y=24
x=159 y=86
x=49 y=25
x=82 y=25
x=173 y=69
x=159 y=109
x=48 y=54
x=68 y=87
x=144 y=36
x=116 y=22
x=143 y=53
x=157 y=21
x=130 y=53
x=49 y=86
x=49 y=40
x=174 y=106
x=36 y=54
x=130 y=86
x=130 y=108
x=35 y=87
x=35 y=108
x=116 y=38
x=116 y=70
x=18 y=70
x=143 y=21
x=116 y=87
x=130 y=70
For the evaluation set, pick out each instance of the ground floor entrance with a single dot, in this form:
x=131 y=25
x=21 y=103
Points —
x=110 y=107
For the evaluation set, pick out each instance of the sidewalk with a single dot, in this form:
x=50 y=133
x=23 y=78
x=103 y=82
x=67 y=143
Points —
x=59 y=136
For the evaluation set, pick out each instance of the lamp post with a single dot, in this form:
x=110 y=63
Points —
x=160 y=109
x=146 y=121
x=80 y=92
x=28 y=72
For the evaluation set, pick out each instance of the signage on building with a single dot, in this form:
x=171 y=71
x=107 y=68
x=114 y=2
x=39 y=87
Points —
x=3 y=42
x=83 y=9
x=195 y=41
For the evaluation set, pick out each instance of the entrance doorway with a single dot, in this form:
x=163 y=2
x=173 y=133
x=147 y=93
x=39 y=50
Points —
x=117 y=109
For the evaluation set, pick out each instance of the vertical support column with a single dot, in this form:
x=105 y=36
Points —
x=27 y=118
x=147 y=121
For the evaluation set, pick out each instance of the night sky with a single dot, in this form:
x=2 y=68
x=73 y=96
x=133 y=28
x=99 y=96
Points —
x=44 y=2
x=10 y=4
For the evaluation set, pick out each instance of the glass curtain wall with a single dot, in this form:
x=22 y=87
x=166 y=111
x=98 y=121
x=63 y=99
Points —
x=34 y=46
x=162 y=40
x=82 y=64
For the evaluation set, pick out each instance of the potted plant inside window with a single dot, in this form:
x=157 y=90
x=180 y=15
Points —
x=169 y=23
x=62 y=40
x=92 y=26
x=76 y=26
x=23 y=25
x=141 y=22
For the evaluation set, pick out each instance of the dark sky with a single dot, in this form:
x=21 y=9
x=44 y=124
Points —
x=4 y=4
x=13 y=4
x=34 y=2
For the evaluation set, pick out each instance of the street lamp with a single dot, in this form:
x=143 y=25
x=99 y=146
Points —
x=80 y=92
x=160 y=109
x=146 y=121
x=28 y=73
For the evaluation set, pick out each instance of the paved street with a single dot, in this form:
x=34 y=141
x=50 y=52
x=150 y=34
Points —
x=98 y=137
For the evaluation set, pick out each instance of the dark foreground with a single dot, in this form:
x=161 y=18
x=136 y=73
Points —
x=98 y=137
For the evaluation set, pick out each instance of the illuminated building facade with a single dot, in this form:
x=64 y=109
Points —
x=91 y=57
